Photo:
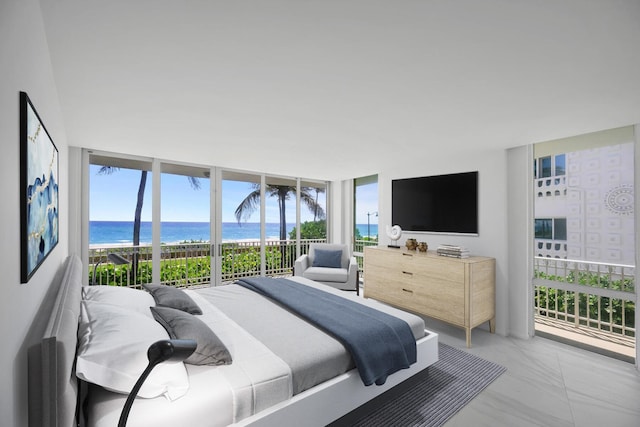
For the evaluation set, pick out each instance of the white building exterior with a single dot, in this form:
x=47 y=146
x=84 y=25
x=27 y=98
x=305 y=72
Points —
x=584 y=198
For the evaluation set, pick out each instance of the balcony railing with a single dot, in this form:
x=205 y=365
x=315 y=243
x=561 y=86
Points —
x=358 y=252
x=593 y=298
x=189 y=264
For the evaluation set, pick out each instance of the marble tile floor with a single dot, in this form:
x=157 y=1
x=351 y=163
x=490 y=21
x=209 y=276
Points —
x=547 y=383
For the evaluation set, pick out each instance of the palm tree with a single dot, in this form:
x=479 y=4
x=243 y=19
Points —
x=282 y=192
x=137 y=221
x=317 y=213
x=250 y=203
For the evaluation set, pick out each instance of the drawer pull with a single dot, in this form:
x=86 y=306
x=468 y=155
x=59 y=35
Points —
x=407 y=290
x=403 y=254
x=407 y=272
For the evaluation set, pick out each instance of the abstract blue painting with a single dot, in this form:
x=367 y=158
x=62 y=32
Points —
x=38 y=189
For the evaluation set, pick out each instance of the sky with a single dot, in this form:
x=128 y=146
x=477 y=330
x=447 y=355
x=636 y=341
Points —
x=113 y=198
x=367 y=202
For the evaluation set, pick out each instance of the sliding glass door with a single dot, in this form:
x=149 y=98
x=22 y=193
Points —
x=153 y=221
x=120 y=235
x=365 y=224
x=185 y=226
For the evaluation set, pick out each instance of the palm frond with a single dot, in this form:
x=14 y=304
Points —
x=107 y=170
x=248 y=205
x=195 y=182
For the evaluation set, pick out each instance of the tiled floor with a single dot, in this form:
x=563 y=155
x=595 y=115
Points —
x=547 y=383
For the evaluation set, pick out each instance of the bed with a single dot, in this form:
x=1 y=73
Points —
x=273 y=369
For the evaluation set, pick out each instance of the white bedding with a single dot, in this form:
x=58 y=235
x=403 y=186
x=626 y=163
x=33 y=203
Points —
x=221 y=395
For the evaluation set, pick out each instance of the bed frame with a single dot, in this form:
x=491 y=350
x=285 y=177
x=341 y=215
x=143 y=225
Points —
x=52 y=384
x=54 y=392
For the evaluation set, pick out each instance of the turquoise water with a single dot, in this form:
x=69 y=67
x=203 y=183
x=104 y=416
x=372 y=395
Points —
x=121 y=232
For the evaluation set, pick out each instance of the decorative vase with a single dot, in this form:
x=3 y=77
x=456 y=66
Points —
x=411 y=244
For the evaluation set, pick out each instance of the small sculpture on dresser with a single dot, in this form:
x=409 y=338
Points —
x=423 y=247
x=411 y=244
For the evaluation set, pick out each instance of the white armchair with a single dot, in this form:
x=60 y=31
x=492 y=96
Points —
x=329 y=264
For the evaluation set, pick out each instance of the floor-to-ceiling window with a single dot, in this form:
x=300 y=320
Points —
x=268 y=221
x=365 y=222
x=242 y=231
x=584 y=243
x=313 y=223
x=187 y=225
x=119 y=220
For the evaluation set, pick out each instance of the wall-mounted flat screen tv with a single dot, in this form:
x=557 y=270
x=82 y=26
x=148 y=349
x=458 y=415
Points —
x=439 y=204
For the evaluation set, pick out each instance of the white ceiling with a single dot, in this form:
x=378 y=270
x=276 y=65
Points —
x=331 y=89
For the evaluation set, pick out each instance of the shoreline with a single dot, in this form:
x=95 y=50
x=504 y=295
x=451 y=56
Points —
x=147 y=244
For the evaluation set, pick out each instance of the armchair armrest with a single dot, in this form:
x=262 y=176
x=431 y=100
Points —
x=301 y=264
x=353 y=265
x=354 y=276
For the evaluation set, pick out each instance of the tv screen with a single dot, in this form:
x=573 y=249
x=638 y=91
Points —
x=440 y=203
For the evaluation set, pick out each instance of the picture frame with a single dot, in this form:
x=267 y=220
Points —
x=39 y=199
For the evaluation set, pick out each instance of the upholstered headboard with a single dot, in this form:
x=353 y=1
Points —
x=52 y=384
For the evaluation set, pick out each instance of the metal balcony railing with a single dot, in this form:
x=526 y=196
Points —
x=594 y=298
x=358 y=252
x=189 y=264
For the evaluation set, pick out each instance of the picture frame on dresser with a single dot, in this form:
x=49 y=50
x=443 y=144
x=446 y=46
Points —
x=39 y=177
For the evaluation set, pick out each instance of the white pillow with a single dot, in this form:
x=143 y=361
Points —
x=134 y=299
x=112 y=352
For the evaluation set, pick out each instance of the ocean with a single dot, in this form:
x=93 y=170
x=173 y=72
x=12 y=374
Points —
x=121 y=232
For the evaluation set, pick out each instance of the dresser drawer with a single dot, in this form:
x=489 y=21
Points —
x=442 y=300
x=384 y=280
x=382 y=258
x=439 y=270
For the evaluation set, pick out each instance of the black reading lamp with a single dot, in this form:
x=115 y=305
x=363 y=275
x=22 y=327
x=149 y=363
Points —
x=159 y=351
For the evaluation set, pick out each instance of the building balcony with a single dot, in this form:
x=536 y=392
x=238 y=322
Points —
x=589 y=304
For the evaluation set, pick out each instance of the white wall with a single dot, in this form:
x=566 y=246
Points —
x=25 y=66
x=492 y=239
x=520 y=241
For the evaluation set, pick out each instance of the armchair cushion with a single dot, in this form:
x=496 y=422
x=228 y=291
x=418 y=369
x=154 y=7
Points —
x=315 y=247
x=327 y=274
x=327 y=258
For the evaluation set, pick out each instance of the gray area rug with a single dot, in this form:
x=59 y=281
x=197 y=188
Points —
x=431 y=397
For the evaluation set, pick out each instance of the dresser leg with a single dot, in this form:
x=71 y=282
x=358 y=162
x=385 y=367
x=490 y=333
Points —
x=468 y=332
x=492 y=325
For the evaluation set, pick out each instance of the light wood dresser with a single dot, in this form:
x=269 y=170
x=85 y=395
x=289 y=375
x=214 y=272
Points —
x=459 y=291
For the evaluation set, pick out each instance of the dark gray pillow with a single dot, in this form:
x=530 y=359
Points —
x=182 y=326
x=168 y=296
x=327 y=258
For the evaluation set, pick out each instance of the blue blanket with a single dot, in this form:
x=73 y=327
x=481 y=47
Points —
x=380 y=344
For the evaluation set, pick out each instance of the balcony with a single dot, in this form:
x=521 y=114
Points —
x=589 y=303
x=358 y=251
x=189 y=264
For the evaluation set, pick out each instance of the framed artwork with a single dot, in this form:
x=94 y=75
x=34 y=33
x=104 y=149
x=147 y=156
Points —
x=39 y=176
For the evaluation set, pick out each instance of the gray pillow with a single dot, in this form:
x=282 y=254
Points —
x=327 y=258
x=168 y=296
x=182 y=326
